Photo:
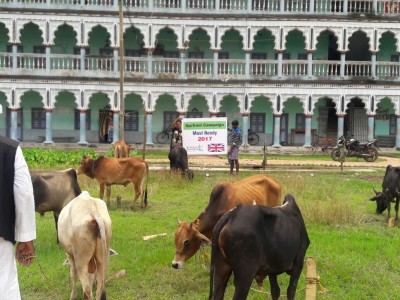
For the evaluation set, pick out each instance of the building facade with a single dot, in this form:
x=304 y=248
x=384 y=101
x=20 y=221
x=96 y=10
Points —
x=289 y=70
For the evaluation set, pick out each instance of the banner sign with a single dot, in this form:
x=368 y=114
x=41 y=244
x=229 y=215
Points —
x=204 y=136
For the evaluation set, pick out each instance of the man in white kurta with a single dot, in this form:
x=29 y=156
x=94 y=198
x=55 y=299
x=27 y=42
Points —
x=25 y=232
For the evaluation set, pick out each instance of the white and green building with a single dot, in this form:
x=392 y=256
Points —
x=286 y=69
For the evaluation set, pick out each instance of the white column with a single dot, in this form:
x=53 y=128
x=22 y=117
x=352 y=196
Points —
x=49 y=138
x=277 y=131
x=149 y=129
x=82 y=127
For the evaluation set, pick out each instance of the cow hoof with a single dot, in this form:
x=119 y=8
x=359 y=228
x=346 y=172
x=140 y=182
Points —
x=132 y=208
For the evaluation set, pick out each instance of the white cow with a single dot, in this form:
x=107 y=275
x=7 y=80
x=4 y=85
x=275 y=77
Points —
x=84 y=231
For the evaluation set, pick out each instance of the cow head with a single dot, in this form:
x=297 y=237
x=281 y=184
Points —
x=188 y=174
x=380 y=201
x=188 y=240
x=86 y=166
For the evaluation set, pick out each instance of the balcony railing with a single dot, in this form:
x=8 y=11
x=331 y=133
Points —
x=294 y=68
x=261 y=68
x=337 y=7
x=196 y=68
x=357 y=68
x=231 y=67
x=324 y=68
x=193 y=68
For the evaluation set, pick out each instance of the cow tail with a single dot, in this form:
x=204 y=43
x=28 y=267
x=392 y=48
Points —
x=105 y=250
x=215 y=247
x=147 y=182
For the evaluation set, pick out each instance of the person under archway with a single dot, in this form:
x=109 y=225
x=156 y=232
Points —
x=176 y=132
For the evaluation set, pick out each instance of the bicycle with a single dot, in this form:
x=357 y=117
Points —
x=252 y=137
x=164 y=136
x=326 y=144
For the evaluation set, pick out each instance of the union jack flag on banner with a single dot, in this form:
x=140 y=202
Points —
x=216 y=147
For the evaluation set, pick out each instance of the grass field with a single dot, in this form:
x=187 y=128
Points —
x=357 y=255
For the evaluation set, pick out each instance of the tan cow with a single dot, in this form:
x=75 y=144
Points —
x=117 y=171
x=84 y=231
x=261 y=189
x=121 y=149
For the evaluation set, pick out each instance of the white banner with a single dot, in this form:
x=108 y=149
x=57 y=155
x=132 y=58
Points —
x=204 y=136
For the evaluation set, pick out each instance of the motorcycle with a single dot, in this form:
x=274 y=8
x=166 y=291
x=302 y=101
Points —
x=353 y=148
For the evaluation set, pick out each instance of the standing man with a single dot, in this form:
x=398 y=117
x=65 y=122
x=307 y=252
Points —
x=17 y=217
x=233 y=152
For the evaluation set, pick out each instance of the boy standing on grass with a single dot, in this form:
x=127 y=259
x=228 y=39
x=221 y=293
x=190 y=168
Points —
x=233 y=152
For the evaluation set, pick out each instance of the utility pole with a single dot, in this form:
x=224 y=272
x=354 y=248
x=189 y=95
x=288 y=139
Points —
x=121 y=73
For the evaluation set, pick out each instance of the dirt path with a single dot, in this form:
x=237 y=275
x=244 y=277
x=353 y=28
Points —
x=219 y=161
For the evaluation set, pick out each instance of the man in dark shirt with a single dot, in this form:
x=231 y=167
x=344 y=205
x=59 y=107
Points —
x=233 y=152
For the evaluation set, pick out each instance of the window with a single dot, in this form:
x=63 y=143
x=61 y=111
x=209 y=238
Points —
x=257 y=122
x=194 y=114
x=132 y=52
x=131 y=120
x=300 y=121
x=302 y=56
x=20 y=48
x=221 y=115
x=38 y=118
x=39 y=49
x=392 y=125
x=257 y=55
x=106 y=51
x=196 y=54
x=284 y=55
x=169 y=117
x=223 y=55
x=77 y=119
x=171 y=54
x=394 y=58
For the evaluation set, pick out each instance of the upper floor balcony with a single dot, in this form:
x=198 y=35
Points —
x=156 y=67
x=212 y=7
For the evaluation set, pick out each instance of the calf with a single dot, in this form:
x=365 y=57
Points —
x=390 y=191
x=54 y=190
x=259 y=241
x=85 y=234
x=121 y=149
x=178 y=161
x=121 y=171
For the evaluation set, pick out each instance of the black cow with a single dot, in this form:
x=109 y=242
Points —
x=253 y=240
x=178 y=161
x=390 y=190
x=54 y=190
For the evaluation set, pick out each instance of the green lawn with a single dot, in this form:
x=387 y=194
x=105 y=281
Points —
x=357 y=255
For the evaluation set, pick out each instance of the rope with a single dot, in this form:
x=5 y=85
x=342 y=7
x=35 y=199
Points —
x=316 y=280
x=44 y=274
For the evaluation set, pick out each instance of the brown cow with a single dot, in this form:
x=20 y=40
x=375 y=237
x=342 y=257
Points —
x=261 y=189
x=121 y=149
x=121 y=171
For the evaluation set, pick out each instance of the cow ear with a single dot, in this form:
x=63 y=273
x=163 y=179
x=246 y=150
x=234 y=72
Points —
x=204 y=240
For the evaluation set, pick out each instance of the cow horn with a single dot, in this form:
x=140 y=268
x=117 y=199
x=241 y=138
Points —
x=179 y=221
x=254 y=202
x=376 y=192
